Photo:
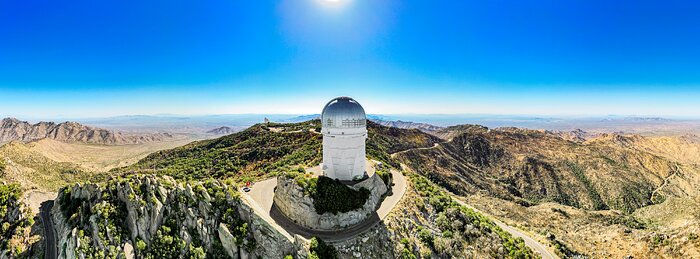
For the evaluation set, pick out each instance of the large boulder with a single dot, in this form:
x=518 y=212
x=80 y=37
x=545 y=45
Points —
x=291 y=200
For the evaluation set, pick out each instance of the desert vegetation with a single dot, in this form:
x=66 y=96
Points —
x=266 y=149
x=253 y=152
x=430 y=224
x=102 y=225
x=15 y=222
x=318 y=249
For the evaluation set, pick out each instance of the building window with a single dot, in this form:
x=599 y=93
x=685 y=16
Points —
x=353 y=123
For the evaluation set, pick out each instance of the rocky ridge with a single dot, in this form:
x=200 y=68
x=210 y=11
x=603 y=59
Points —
x=146 y=216
x=16 y=223
x=425 y=127
x=14 y=129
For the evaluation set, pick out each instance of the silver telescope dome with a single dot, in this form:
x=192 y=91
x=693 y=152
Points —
x=343 y=112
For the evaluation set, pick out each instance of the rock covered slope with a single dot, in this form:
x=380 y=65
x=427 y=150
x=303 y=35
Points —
x=535 y=166
x=158 y=217
x=14 y=129
x=609 y=195
x=16 y=223
x=429 y=224
x=149 y=217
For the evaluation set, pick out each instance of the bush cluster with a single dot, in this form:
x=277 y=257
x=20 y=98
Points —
x=320 y=250
x=385 y=175
x=333 y=196
x=12 y=229
x=254 y=151
x=460 y=224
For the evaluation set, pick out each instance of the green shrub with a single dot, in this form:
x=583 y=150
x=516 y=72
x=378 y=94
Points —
x=426 y=236
x=385 y=175
x=319 y=249
x=10 y=199
x=453 y=219
x=334 y=196
x=140 y=245
x=407 y=251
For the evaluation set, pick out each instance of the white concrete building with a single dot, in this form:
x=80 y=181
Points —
x=344 y=128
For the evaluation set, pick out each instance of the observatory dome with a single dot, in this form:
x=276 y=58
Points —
x=343 y=112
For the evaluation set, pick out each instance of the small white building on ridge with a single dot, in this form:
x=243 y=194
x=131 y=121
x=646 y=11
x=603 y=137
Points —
x=344 y=128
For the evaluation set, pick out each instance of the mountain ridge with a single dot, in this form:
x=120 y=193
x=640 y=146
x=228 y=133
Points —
x=14 y=129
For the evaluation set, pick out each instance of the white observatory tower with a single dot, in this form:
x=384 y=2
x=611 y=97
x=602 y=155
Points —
x=344 y=127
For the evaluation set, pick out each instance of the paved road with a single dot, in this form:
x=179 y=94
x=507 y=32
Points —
x=49 y=233
x=529 y=241
x=532 y=243
x=260 y=198
x=393 y=155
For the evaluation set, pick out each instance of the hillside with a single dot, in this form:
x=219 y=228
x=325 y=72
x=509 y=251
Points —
x=16 y=222
x=149 y=217
x=506 y=171
x=32 y=169
x=625 y=190
x=268 y=148
x=221 y=131
x=13 y=129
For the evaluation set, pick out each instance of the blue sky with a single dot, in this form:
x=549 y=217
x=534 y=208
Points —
x=104 y=58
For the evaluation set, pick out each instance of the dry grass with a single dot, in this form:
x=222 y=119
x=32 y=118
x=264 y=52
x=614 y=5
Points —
x=48 y=165
x=101 y=158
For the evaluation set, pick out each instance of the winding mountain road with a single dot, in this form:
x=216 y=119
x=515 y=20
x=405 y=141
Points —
x=536 y=246
x=260 y=198
x=49 y=233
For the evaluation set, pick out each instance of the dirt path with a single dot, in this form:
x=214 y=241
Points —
x=666 y=180
x=418 y=148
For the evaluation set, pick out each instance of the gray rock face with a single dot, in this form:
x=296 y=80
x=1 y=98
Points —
x=147 y=200
x=228 y=241
x=13 y=129
x=299 y=207
x=270 y=242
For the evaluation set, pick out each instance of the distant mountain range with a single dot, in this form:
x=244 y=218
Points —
x=221 y=131
x=425 y=127
x=14 y=129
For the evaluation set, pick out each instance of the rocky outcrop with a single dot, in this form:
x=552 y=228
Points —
x=15 y=220
x=157 y=213
x=13 y=129
x=373 y=243
x=298 y=206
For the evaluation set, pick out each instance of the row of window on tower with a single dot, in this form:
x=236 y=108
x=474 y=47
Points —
x=347 y=123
